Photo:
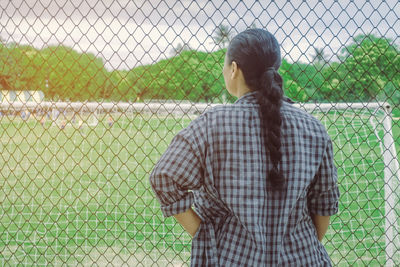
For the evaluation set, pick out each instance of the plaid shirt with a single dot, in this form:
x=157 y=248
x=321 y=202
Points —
x=219 y=164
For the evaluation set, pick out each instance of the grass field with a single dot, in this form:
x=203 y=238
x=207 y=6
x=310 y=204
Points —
x=82 y=197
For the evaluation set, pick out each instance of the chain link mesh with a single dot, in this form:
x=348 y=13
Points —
x=93 y=92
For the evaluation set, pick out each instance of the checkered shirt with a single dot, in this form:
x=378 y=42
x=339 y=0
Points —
x=219 y=165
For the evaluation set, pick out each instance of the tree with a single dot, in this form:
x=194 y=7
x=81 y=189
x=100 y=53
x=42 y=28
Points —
x=319 y=56
x=179 y=48
x=253 y=25
x=222 y=36
x=192 y=75
x=370 y=64
x=291 y=75
x=20 y=64
x=74 y=76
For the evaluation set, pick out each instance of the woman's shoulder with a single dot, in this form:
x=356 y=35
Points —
x=295 y=110
x=303 y=119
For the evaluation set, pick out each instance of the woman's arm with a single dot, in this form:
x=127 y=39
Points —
x=189 y=220
x=321 y=224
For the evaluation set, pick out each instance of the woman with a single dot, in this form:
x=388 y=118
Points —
x=260 y=172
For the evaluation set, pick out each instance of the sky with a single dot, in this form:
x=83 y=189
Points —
x=127 y=34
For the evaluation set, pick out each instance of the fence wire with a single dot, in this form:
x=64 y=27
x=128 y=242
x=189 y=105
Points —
x=93 y=92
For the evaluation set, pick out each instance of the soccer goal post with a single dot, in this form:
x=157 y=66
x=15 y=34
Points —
x=392 y=178
x=348 y=117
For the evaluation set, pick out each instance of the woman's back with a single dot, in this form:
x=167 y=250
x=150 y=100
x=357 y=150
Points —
x=244 y=220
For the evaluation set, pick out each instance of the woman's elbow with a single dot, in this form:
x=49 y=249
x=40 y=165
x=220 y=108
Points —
x=321 y=224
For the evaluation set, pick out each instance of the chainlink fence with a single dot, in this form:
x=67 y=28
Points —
x=93 y=92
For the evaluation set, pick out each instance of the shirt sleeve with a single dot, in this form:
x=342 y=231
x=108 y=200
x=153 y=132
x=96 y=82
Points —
x=323 y=196
x=179 y=170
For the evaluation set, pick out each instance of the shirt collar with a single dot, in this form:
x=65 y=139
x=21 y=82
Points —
x=251 y=97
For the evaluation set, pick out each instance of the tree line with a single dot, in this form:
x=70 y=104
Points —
x=368 y=69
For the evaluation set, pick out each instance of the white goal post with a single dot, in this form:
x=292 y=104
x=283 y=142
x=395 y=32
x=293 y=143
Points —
x=174 y=106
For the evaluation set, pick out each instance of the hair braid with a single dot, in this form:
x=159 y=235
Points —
x=257 y=54
x=270 y=101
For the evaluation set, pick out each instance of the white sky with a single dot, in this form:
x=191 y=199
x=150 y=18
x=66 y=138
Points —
x=131 y=33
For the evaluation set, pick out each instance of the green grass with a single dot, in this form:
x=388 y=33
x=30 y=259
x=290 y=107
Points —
x=67 y=193
x=82 y=197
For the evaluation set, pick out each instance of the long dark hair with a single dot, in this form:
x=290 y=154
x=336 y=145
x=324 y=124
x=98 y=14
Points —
x=257 y=54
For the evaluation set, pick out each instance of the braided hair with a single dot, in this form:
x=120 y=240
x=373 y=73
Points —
x=257 y=54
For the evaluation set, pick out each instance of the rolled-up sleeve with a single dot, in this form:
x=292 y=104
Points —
x=179 y=170
x=323 y=196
